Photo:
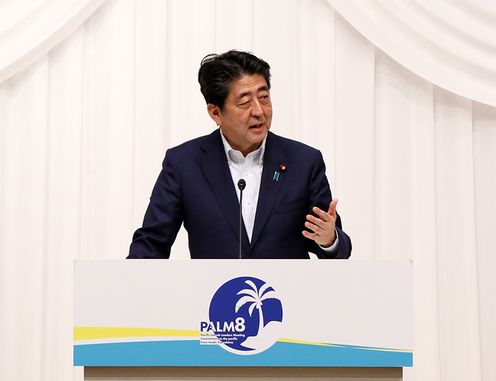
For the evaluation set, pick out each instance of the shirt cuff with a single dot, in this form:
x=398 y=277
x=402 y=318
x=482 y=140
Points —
x=334 y=247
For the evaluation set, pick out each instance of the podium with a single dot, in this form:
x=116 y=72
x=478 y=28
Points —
x=243 y=319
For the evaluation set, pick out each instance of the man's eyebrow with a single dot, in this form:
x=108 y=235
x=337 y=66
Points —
x=261 y=88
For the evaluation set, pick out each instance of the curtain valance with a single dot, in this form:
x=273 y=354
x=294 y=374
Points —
x=451 y=43
x=28 y=32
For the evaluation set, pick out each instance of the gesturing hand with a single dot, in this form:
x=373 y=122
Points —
x=322 y=226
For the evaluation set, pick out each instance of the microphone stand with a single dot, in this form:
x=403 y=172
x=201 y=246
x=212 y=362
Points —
x=241 y=186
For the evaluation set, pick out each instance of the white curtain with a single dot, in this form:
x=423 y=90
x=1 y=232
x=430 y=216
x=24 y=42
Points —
x=29 y=29
x=451 y=43
x=84 y=128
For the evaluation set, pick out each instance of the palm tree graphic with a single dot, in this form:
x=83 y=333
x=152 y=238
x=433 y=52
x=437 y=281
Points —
x=256 y=297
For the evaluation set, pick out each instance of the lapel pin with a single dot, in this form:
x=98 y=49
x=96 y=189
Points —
x=277 y=174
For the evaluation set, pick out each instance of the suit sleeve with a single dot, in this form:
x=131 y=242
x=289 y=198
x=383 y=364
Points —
x=163 y=217
x=321 y=196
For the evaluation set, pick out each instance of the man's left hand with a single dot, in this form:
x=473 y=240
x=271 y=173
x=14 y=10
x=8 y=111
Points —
x=322 y=226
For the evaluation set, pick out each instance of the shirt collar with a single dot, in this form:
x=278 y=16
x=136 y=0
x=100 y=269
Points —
x=235 y=155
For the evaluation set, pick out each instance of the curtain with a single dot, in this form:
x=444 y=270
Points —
x=449 y=43
x=28 y=30
x=84 y=128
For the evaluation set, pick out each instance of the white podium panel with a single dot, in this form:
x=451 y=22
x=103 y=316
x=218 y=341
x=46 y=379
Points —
x=279 y=313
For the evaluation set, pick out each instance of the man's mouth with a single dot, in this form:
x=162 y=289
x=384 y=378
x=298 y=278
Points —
x=260 y=125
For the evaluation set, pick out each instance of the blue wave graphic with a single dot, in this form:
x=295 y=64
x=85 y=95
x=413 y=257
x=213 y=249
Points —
x=191 y=353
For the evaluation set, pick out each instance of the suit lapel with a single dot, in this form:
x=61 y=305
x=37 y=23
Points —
x=216 y=171
x=274 y=156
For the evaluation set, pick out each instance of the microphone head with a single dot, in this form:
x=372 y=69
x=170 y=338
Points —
x=241 y=184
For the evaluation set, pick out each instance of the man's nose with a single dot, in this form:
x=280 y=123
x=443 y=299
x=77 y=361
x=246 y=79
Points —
x=256 y=109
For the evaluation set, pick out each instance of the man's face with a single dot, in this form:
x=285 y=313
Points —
x=247 y=114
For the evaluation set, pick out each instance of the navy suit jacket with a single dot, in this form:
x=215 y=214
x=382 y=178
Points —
x=195 y=187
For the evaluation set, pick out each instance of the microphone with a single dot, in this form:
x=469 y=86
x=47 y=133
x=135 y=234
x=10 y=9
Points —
x=241 y=186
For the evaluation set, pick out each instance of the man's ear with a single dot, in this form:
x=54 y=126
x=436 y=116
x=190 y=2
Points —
x=215 y=113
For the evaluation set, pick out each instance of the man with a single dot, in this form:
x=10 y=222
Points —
x=287 y=207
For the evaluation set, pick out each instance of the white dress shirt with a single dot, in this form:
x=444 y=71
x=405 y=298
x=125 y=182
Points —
x=250 y=169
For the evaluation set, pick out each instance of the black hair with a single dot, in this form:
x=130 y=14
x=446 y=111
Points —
x=218 y=72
